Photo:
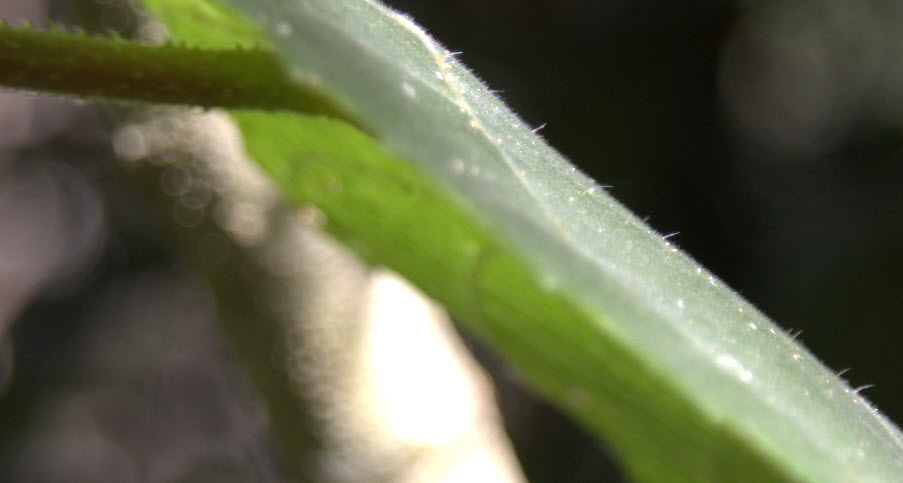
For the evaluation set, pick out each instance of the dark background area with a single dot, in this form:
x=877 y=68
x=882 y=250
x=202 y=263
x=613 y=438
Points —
x=768 y=136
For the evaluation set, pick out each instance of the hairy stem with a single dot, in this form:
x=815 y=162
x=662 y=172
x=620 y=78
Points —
x=89 y=66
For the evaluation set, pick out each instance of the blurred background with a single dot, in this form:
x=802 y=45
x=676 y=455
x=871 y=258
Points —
x=768 y=135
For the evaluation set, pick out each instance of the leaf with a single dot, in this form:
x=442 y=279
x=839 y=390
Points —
x=686 y=379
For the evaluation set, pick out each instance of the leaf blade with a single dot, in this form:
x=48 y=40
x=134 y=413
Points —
x=752 y=393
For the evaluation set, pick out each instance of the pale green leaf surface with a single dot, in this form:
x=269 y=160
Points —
x=633 y=337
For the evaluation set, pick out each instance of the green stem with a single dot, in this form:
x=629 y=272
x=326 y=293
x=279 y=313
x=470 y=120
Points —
x=77 y=64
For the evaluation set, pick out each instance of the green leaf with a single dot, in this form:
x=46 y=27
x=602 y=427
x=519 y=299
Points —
x=631 y=336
